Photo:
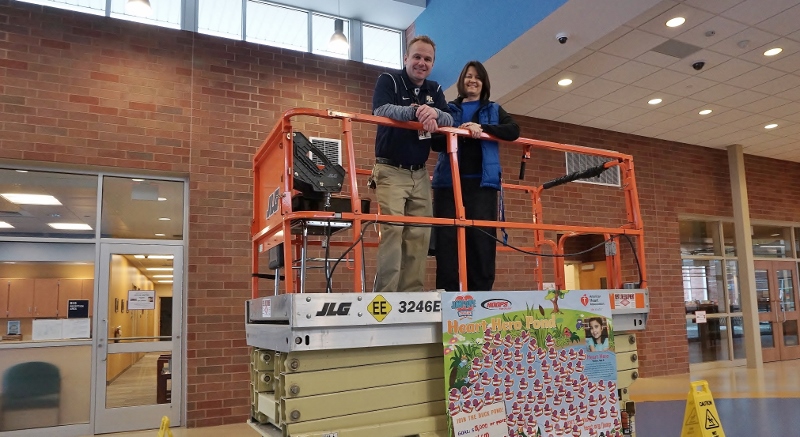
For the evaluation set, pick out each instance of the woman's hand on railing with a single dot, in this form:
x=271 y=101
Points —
x=474 y=129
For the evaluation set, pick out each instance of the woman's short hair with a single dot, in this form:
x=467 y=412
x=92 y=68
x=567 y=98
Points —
x=483 y=75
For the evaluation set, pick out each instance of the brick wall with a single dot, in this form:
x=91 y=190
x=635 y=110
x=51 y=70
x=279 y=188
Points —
x=93 y=91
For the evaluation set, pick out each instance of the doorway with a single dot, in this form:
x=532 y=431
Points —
x=777 y=296
x=138 y=361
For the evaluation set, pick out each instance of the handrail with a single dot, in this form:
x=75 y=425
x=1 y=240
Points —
x=273 y=161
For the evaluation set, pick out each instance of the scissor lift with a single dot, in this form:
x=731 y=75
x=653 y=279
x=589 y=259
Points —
x=350 y=364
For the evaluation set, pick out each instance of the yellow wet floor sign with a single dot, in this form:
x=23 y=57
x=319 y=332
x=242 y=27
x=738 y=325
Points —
x=164 y=430
x=701 y=418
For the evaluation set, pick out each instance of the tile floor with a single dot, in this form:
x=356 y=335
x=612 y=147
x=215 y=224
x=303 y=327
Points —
x=750 y=403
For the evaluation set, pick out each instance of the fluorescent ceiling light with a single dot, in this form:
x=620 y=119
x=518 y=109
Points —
x=565 y=82
x=140 y=256
x=160 y=256
x=771 y=126
x=5 y=225
x=159 y=269
x=162 y=276
x=70 y=226
x=162 y=199
x=675 y=22
x=654 y=101
x=165 y=282
x=773 y=51
x=705 y=112
x=22 y=171
x=160 y=235
x=30 y=199
x=164 y=219
x=138 y=180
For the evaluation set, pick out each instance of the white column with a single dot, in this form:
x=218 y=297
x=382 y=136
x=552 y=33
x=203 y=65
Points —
x=744 y=255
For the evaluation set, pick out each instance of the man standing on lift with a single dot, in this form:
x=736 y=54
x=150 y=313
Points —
x=403 y=186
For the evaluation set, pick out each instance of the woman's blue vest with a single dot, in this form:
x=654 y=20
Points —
x=490 y=177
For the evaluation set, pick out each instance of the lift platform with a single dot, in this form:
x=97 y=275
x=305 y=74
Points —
x=331 y=358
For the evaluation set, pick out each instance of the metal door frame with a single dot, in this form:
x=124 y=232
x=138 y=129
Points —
x=137 y=417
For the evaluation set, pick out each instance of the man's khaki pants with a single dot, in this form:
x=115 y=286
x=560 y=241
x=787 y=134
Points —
x=403 y=250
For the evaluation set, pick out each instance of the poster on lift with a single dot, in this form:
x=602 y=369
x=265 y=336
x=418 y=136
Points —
x=530 y=364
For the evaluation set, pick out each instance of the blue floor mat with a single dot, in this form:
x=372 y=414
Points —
x=740 y=418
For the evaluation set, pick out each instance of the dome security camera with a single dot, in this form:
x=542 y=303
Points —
x=698 y=65
x=562 y=38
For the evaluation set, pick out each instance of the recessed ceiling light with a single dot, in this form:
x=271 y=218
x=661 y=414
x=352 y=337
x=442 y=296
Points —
x=30 y=199
x=771 y=126
x=22 y=171
x=160 y=235
x=654 y=101
x=165 y=282
x=675 y=22
x=705 y=112
x=6 y=225
x=159 y=269
x=773 y=51
x=160 y=256
x=139 y=256
x=162 y=276
x=70 y=226
x=565 y=82
x=138 y=180
x=162 y=199
x=164 y=219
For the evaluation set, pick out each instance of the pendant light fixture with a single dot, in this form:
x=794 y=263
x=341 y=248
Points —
x=138 y=8
x=338 y=42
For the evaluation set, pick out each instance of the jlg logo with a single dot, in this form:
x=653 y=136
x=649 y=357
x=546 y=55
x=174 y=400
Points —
x=329 y=309
x=273 y=202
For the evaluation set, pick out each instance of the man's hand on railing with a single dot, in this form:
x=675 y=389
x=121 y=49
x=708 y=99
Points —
x=427 y=116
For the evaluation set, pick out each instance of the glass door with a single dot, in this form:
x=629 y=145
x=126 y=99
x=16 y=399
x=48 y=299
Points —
x=777 y=295
x=138 y=334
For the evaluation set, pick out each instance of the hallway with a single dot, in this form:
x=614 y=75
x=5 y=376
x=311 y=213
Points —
x=136 y=385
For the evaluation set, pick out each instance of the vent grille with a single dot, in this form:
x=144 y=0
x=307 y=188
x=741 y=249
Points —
x=676 y=49
x=580 y=162
x=330 y=147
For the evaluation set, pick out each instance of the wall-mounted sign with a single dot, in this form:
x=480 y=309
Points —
x=700 y=316
x=13 y=327
x=141 y=299
x=77 y=308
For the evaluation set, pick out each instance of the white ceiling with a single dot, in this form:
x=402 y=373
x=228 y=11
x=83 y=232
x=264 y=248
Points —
x=616 y=75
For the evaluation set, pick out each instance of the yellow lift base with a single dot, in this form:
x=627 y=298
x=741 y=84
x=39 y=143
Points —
x=322 y=376
x=382 y=391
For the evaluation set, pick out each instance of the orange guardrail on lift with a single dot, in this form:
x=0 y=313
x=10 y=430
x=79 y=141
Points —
x=273 y=214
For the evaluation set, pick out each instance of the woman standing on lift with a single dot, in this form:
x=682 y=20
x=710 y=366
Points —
x=479 y=166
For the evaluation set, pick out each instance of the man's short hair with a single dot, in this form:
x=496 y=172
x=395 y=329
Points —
x=422 y=38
